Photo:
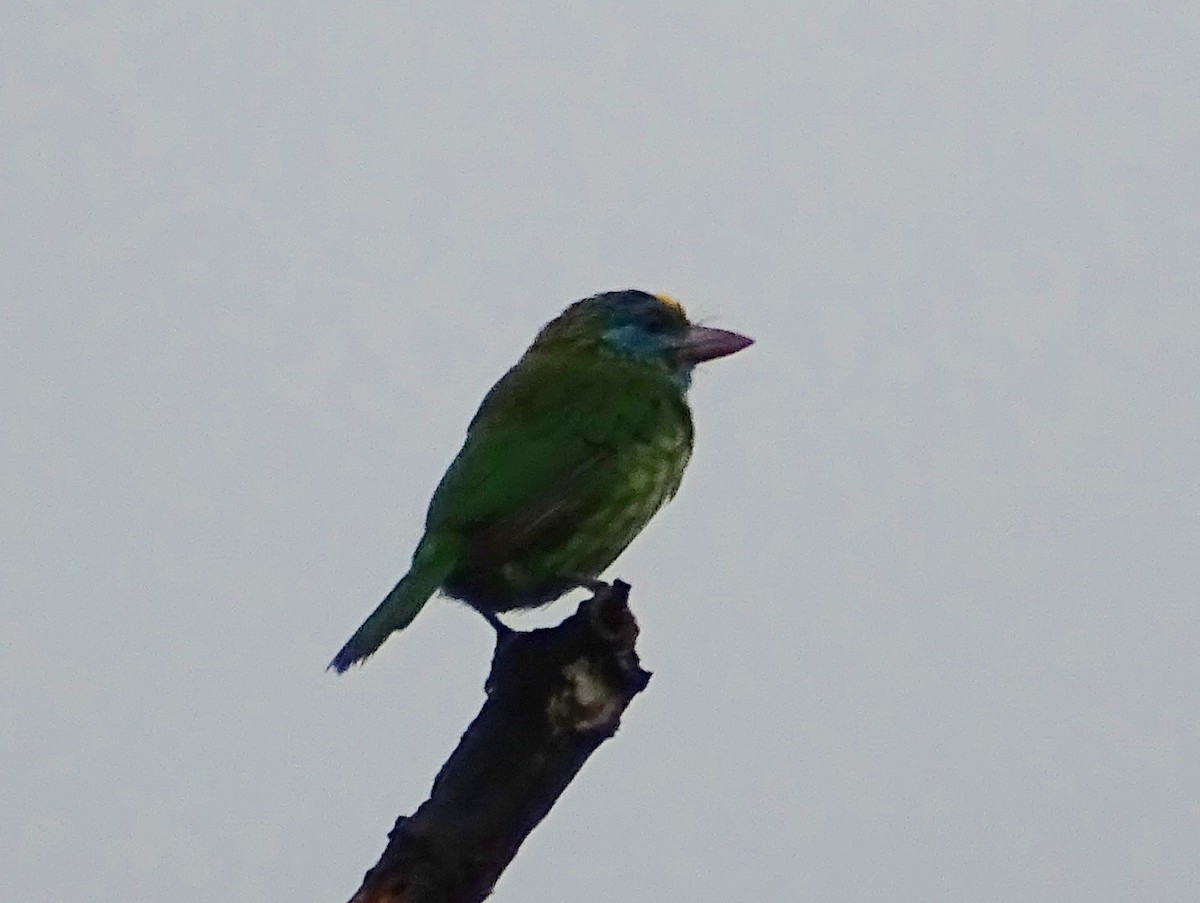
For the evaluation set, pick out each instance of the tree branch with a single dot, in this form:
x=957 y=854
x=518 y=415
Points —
x=554 y=696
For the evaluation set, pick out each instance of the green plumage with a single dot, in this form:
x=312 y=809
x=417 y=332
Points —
x=569 y=456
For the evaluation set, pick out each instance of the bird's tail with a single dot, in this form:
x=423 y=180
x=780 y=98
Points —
x=397 y=610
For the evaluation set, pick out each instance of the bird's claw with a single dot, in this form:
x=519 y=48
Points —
x=503 y=631
x=595 y=586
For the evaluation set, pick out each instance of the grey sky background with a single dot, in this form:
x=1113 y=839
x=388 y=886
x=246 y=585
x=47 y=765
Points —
x=924 y=616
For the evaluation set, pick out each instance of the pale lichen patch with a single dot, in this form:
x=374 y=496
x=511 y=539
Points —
x=585 y=702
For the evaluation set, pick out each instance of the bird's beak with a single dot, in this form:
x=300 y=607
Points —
x=703 y=343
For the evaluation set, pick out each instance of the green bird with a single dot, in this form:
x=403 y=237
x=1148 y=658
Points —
x=567 y=459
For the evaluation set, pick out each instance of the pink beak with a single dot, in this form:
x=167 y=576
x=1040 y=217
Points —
x=703 y=343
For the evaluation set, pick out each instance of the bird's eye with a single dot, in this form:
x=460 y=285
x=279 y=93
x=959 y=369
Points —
x=659 y=321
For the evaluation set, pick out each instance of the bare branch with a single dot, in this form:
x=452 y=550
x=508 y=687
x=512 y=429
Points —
x=554 y=696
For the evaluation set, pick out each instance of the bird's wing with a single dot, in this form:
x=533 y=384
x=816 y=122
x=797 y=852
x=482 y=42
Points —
x=542 y=446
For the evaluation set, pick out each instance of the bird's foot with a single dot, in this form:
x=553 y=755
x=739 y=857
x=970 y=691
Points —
x=591 y=583
x=503 y=631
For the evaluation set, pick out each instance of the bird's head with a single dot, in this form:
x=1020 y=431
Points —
x=636 y=324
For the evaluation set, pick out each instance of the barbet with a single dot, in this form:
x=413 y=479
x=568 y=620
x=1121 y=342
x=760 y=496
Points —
x=569 y=456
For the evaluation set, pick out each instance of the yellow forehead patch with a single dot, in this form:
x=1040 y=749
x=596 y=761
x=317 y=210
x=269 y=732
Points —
x=668 y=301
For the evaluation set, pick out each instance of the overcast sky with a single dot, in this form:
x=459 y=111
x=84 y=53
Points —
x=923 y=619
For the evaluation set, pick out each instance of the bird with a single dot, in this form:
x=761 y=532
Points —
x=569 y=456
